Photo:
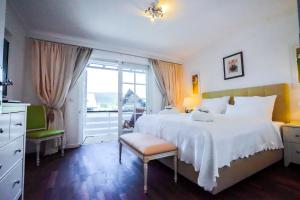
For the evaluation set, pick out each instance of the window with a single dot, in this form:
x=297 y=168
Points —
x=116 y=96
x=102 y=88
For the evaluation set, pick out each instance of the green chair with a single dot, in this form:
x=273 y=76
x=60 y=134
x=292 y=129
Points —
x=37 y=131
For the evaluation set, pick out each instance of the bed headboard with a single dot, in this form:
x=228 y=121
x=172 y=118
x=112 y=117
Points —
x=281 y=111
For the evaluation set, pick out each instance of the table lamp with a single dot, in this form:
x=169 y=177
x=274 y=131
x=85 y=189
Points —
x=189 y=103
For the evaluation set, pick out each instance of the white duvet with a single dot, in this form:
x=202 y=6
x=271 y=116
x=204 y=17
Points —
x=209 y=146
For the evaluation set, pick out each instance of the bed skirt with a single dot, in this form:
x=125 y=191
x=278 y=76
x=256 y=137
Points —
x=238 y=170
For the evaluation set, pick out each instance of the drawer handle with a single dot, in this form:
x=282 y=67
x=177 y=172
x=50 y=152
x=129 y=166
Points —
x=297 y=152
x=297 y=135
x=18 y=151
x=1 y=130
x=19 y=124
x=16 y=182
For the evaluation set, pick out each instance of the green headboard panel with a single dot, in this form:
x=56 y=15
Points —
x=282 y=110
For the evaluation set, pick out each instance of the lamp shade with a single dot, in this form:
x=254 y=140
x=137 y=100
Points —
x=190 y=102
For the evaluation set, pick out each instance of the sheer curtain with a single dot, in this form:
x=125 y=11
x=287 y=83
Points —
x=75 y=113
x=55 y=69
x=169 y=77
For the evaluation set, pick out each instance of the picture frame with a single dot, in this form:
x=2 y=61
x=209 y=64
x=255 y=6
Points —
x=298 y=64
x=195 y=84
x=233 y=66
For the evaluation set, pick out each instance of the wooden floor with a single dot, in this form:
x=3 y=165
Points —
x=93 y=172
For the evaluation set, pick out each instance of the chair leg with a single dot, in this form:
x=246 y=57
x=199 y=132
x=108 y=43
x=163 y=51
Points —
x=145 y=177
x=38 y=148
x=62 y=146
x=120 y=152
x=175 y=168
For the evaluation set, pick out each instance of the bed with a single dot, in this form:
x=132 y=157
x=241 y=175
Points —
x=209 y=174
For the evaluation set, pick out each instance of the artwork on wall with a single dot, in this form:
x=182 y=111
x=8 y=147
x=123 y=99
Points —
x=298 y=63
x=233 y=66
x=195 y=83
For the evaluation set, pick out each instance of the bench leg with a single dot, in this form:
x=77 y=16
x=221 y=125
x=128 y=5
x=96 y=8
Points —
x=62 y=146
x=38 y=148
x=175 y=168
x=120 y=152
x=145 y=177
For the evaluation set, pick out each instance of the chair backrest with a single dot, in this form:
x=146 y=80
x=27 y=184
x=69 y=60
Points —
x=36 y=118
x=138 y=113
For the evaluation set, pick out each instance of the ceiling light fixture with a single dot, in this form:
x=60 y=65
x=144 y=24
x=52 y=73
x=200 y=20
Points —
x=154 y=11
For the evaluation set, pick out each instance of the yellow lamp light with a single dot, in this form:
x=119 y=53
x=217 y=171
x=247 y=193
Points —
x=164 y=8
x=190 y=103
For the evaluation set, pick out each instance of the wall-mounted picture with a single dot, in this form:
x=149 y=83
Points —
x=298 y=63
x=233 y=66
x=195 y=83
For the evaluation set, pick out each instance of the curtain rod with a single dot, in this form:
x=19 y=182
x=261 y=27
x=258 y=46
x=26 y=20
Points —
x=101 y=49
x=117 y=62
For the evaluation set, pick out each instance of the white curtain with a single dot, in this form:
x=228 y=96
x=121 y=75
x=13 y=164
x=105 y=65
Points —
x=169 y=78
x=74 y=112
x=55 y=69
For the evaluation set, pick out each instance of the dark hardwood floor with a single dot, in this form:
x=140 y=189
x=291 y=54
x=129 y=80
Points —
x=93 y=172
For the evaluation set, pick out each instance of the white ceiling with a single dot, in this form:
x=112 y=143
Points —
x=187 y=27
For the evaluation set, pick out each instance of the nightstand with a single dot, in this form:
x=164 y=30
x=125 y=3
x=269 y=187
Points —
x=291 y=142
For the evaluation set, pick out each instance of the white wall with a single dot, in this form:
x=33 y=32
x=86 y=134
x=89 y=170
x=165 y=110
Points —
x=2 y=23
x=29 y=94
x=18 y=68
x=15 y=34
x=267 y=49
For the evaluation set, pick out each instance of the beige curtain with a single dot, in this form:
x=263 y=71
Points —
x=169 y=78
x=56 y=68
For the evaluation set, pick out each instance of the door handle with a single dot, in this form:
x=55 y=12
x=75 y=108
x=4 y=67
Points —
x=18 y=151
x=16 y=182
x=1 y=130
x=19 y=124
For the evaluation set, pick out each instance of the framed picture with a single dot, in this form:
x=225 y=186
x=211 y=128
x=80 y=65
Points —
x=195 y=83
x=298 y=63
x=233 y=66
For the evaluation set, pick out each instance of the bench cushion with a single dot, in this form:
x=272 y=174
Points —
x=44 y=133
x=147 y=144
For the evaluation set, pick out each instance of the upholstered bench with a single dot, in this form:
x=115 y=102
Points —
x=148 y=147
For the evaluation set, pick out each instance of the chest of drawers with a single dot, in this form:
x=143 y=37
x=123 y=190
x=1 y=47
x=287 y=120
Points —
x=12 y=151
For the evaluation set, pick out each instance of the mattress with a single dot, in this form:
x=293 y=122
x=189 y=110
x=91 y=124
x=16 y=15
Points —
x=209 y=146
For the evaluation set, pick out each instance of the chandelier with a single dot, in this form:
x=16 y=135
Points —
x=154 y=11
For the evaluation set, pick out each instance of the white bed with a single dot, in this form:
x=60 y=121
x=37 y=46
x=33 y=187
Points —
x=209 y=146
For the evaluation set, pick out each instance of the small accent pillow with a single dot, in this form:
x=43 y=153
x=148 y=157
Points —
x=202 y=109
x=215 y=105
x=169 y=110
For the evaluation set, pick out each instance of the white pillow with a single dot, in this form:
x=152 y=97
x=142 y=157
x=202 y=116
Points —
x=244 y=111
x=262 y=106
x=215 y=105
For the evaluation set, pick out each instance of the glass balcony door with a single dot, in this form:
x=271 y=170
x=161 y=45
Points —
x=133 y=96
x=102 y=103
x=116 y=98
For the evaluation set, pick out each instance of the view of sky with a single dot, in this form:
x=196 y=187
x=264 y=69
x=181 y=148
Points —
x=104 y=81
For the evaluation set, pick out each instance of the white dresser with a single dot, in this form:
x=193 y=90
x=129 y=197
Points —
x=12 y=150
